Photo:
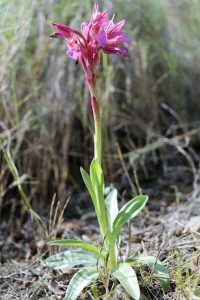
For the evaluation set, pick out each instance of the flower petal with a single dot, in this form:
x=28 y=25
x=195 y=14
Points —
x=73 y=54
x=98 y=18
x=116 y=28
x=63 y=29
x=119 y=25
x=123 y=52
x=95 y=9
x=101 y=38
x=125 y=38
x=57 y=35
x=116 y=51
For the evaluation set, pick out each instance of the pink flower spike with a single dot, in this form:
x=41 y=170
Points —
x=98 y=35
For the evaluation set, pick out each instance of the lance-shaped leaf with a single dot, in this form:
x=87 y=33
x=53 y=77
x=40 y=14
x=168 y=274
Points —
x=88 y=183
x=159 y=271
x=112 y=211
x=97 y=179
x=71 y=259
x=112 y=207
x=128 y=211
x=128 y=279
x=83 y=278
x=78 y=244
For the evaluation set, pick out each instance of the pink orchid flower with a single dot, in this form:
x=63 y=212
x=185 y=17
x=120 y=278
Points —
x=98 y=35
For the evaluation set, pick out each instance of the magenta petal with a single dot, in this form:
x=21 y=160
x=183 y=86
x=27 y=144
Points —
x=101 y=38
x=57 y=35
x=110 y=50
x=73 y=54
x=106 y=23
x=116 y=51
x=125 y=38
x=118 y=27
x=63 y=29
x=123 y=52
x=95 y=9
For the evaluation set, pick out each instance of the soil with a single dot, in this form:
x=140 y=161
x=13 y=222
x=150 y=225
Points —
x=168 y=229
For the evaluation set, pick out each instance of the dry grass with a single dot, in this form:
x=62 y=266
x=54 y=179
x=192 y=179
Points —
x=46 y=108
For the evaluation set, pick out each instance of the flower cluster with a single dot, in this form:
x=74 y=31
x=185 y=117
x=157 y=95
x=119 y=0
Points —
x=99 y=34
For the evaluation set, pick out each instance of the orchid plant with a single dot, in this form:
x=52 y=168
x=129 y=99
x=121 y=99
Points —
x=99 y=35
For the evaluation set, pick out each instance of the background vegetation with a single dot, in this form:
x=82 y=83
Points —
x=45 y=106
x=151 y=132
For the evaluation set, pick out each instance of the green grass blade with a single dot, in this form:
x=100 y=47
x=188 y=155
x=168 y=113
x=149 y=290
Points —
x=159 y=271
x=128 y=279
x=83 y=278
x=78 y=244
x=71 y=259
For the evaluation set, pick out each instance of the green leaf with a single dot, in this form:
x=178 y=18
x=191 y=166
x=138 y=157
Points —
x=128 y=211
x=88 y=183
x=128 y=279
x=79 y=281
x=112 y=207
x=78 y=244
x=160 y=272
x=96 y=175
x=97 y=179
x=72 y=258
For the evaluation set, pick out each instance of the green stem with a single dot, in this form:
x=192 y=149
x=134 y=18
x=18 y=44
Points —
x=102 y=215
x=97 y=140
x=97 y=126
x=110 y=243
x=112 y=259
